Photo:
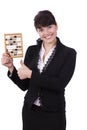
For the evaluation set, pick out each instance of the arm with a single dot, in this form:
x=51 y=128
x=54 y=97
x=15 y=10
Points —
x=20 y=77
x=7 y=61
x=22 y=84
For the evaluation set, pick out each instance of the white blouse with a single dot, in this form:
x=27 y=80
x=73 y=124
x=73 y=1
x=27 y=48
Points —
x=41 y=64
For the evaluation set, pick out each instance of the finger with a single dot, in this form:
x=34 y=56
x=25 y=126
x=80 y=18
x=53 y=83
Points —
x=21 y=62
x=6 y=55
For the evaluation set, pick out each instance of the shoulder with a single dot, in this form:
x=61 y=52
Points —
x=31 y=52
x=65 y=49
x=69 y=50
x=32 y=49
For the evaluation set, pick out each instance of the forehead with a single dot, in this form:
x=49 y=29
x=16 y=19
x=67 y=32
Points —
x=43 y=27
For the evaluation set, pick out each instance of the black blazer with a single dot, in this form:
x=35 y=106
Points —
x=50 y=84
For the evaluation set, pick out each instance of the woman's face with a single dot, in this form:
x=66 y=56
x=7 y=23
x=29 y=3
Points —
x=48 y=34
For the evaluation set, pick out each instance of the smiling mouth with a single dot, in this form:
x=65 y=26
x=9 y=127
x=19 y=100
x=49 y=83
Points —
x=48 y=37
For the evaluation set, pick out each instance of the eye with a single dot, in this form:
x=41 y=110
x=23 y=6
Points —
x=40 y=29
x=50 y=26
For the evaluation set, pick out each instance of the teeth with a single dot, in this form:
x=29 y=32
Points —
x=48 y=37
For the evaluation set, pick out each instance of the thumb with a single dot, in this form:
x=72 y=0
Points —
x=21 y=62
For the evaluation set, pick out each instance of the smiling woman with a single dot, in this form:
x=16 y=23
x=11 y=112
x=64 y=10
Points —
x=46 y=71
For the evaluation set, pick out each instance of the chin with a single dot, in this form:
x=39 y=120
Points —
x=50 y=40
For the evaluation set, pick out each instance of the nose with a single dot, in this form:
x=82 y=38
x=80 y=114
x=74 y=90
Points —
x=46 y=31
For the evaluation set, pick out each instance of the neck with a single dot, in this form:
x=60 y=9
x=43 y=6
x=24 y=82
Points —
x=48 y=46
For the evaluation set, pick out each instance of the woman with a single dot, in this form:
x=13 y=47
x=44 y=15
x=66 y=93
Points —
x=47 y=69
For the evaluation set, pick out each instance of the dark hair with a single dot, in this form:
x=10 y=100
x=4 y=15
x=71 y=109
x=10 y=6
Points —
x=44 y=18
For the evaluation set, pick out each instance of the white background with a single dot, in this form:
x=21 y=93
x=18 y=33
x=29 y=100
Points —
x=71 y=15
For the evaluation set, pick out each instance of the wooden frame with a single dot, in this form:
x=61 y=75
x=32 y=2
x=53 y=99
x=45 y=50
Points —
x=14 y=44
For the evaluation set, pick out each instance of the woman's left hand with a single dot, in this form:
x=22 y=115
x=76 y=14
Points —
x=24 y=72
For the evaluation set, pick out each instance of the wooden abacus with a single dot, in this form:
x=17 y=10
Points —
x=14 y=44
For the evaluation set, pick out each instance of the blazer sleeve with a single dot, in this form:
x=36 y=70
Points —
x=61 y=80
x=22 y=84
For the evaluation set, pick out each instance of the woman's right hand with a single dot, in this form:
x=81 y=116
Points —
x=7 y=61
